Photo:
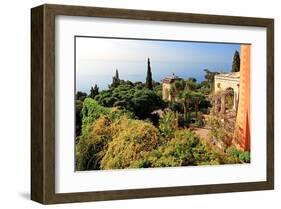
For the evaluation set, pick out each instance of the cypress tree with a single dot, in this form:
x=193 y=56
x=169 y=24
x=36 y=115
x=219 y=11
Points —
x=236 y=62
x=94 y=91
x=115 y=79
x=148 y=83
x=117 y=75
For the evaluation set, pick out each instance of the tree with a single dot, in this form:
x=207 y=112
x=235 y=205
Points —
x=182 y=91
x=148 y=83
x=210 y=77
x=236 y=62
x=94 y=91
x=115 y=79
x=81 y=95
x=144 y=102
x=117 y=74
x=192 y=79
x=78 y=117
x=197 y=97
x=137 y=99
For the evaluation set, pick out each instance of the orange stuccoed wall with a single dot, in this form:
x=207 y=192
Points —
x=243 y=113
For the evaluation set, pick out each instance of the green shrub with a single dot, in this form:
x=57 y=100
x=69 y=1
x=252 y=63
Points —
x=91 y=111
x=167 y=124
x=185 y=149
x=96 y=121
x=175 y=106
x=130 y=140
x=199 y=122
x=181 y=121
x=225 y=158
x=112 y=139
x=242 y=156
x=233 y=151
x=245 y=157
x=91 y=150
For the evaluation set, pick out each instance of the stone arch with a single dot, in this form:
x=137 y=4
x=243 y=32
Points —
x=223 y=82
x=229 y=98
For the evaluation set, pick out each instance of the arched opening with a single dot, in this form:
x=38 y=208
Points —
x=229 y=99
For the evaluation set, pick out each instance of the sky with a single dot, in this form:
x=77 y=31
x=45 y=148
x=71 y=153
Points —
x=98 y=58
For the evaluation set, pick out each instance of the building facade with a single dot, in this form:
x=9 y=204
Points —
x=240 y=83
x=166 y=88
x=226 y=81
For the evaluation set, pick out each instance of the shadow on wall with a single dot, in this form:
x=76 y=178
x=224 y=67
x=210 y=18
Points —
x=24 y=195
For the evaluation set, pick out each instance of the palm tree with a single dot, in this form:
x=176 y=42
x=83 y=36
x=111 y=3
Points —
x=182 y=91
x=176 y=88
x=197 y=97
x=185 y=97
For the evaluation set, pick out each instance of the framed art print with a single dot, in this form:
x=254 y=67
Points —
x=135 y=104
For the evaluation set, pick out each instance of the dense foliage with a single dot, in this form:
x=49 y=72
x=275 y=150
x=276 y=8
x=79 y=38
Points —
x=80 y=95
x=94 y=91
x=91 y=148
x=184 y=149
x=243 y=156
x=78 y=117
x=131 y=138
x=168 y=124
x=112 y=139
x=210 y=78
x=189 y=97
x=130 y=126
x=96 y=133
x=115 y=80
x=135 y=98
x=91 y=111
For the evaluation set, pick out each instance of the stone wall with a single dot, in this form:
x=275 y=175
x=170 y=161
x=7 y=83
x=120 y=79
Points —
x=166 y=91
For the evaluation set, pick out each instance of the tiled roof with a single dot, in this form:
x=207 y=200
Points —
x=228 y=75
x=171 y=79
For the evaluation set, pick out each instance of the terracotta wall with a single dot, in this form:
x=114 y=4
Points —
x=243 y=114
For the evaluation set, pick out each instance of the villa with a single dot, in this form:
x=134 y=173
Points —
x=166 y=88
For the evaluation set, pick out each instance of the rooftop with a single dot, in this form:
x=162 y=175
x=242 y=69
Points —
x=170 y=79
x=228 y=75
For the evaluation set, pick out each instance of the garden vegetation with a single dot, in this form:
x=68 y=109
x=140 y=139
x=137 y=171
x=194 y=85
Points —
x=130 y=126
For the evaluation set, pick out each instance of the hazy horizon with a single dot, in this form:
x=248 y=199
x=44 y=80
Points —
x=98 y=58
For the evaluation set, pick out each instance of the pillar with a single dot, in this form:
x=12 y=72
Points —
x=222 y=104
x=234 y=101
